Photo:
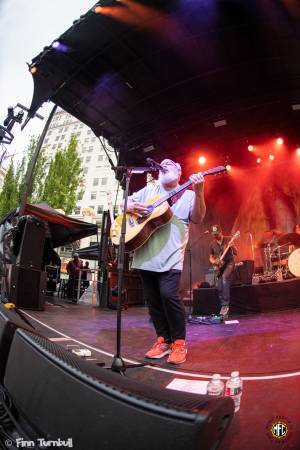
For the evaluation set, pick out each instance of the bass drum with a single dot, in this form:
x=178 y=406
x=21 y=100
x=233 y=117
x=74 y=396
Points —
x=294 y=262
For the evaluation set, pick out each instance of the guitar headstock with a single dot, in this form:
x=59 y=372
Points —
x=236 y=235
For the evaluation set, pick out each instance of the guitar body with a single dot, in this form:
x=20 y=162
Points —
x=139 y=229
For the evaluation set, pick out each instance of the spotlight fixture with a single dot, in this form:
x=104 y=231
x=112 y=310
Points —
x=279 y=141
x=33 y=69
x=298 y=151
x=228 y=167
x=250 y=148
x=258 y=160
x=202 y=160
x=271 y=157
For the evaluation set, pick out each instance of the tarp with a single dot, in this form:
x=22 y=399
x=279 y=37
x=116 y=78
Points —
x=91 y=252
x=61 y=229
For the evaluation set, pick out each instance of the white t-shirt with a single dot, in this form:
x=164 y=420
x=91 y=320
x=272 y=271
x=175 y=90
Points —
x=164 y=250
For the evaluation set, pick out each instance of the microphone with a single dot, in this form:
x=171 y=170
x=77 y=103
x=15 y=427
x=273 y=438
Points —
x=155 y=165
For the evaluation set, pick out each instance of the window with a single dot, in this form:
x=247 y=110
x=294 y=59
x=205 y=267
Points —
x=100 y=158
x=80 y=195
x=54 y=146
x=86 y=140
x=60 y=130
x=46 y=141
x=81 y=125
x=93 y=195
x=104 y=181
x=57 y=137
x=49 y=132
x=85 y=170
x=93 y=139
x=88 y=159
x=63 y=136
x=89 y=131
x=100 y=209
x=66 y=129
x=95 y=181
x=91 y=149
x=77 y=211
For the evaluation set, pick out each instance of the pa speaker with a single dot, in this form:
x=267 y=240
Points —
x=63 y=396
x=27 y=287
x=10 y=320
x=31 y=241
x=206 y=302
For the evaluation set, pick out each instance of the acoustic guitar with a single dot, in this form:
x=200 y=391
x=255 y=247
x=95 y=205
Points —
x=159 y=213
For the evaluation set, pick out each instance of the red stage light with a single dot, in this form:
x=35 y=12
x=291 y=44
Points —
x=202 y=160
x=279 y=141
x=228 y=167
x=271 y=157
x=298 y=151
x=258 y=160
x=250 y=148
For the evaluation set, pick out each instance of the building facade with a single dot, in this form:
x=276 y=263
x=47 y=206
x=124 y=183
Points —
x=99 y=179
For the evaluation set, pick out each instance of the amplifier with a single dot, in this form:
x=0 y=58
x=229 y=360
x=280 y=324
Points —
x=243 y=272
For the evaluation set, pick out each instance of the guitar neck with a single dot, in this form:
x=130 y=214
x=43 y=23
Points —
x=185 y=185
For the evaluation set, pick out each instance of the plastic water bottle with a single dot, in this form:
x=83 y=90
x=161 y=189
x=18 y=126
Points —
x=233 y=389
x=215 y=386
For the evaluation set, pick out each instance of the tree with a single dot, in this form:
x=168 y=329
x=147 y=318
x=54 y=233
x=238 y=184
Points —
x=38 y=179
x=63 y=178
x=9 y=193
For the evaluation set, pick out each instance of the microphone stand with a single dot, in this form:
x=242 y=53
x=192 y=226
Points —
x=118 y=364
x=189 y=251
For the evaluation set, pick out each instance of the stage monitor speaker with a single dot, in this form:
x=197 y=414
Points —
x=27 y=287
x=243 y=272
x=206 y=302
x=10 y=320
x=31 y=249
x=63 y=396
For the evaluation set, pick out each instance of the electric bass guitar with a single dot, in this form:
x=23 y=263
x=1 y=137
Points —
x=219 y=264
x=159 y=213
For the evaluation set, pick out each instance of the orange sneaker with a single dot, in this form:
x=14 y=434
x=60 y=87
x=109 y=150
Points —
x=178 y=352
x=159 y=349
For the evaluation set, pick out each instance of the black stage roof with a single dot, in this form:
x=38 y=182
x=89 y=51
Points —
x=158 y=75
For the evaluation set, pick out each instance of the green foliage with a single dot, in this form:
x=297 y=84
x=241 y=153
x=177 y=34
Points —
x=63 y=178
x=9 y=193
x=58 y=187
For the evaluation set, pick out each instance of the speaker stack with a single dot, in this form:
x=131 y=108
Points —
x=26 y=281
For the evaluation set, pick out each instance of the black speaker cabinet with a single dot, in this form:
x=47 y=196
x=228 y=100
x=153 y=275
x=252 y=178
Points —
x=206 y=302
x=27 y=287
x=10 y=320
x=31 y=249
x=243 y=272
x=64 y=397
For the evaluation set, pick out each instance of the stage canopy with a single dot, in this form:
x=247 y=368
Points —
x=91 y=252
x=159 y=77
x=61 y=229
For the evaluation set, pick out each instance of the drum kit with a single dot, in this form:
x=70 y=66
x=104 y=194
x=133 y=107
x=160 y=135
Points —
x=281 y=254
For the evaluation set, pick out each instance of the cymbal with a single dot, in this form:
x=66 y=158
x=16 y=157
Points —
x=272 y=233
x=290 y=238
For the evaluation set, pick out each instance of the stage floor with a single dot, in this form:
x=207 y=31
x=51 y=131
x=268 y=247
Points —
x=263 y=347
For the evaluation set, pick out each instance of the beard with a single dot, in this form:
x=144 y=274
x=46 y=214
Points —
x=168 y=177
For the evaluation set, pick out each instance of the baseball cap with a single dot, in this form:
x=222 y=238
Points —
x=215 y=229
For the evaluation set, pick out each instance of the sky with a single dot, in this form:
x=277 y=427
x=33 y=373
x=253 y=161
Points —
x=25 y=29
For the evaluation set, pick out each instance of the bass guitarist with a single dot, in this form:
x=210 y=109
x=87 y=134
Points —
x=224 y=267
x=160 y=259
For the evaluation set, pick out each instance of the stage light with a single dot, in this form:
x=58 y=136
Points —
x=279 y=141
x=55 y=44
x=202 y=160
x=98 y=9
x=271 y=157
x=258 y=160
x=250 y=148
x=298 y=151
x=228 y=167
x=33 y=69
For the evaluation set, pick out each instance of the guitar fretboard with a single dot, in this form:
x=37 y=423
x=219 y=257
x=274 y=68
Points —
x=166 y=197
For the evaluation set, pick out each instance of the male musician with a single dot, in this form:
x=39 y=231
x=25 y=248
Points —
x=160 y=259
x=226 y=267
